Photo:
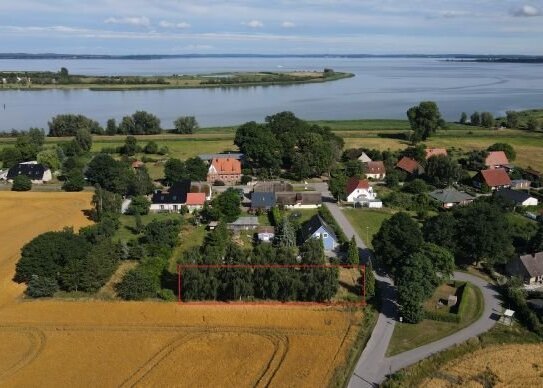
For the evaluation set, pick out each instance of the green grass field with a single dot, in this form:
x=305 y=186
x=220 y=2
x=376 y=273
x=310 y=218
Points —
x=379 y=134
x=409 y=336
x=367 y=222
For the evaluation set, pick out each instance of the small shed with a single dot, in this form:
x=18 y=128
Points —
x=507 y=317
x=266 y=233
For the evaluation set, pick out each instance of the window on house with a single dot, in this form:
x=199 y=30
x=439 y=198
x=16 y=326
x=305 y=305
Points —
x=161 y=207
x=325 y=235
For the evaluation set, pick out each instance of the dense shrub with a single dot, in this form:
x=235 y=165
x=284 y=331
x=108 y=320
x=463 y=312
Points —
x=21 y=183
x=41 y=286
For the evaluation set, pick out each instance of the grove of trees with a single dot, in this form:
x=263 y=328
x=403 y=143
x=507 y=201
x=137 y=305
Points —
x=289 y=143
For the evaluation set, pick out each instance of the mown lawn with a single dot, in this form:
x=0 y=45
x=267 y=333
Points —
x=409 y=336
x=128 y=224
x=367 y=222
x=191 y=236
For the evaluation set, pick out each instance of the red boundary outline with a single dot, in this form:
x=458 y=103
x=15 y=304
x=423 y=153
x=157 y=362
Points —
x=181 y=267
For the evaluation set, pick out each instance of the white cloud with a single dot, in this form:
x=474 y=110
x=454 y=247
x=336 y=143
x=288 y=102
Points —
x=167 y=24
x=254 y=24
x=453 y=14
x=526 y=11
x=138 y=21
x=287 y=24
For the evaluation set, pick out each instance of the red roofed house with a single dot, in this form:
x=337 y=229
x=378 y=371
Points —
x=411 y=166
x=435 y=152
x=195 y=201
x=360 y=192
x=496 y=159
x=495 y=179
x=375 y=170
x=227 y=170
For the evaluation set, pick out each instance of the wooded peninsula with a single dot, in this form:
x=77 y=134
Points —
x=64 y=80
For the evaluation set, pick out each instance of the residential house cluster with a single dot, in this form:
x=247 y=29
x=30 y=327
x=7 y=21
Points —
x=191 y=195
x=373 y=169
x=266 y=195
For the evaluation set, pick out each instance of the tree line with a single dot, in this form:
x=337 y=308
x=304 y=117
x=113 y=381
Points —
x=139 y=123
x=283 y=284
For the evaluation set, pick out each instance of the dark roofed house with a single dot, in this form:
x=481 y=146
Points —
x=409 y=165
x=172 y=199
x=273 y=187
x=451 y=197
x=317 y=228
x=37 y=172
x=495 y=179
x=262 y=200
x=527 y=267
x=299 y=200
x=518 y=198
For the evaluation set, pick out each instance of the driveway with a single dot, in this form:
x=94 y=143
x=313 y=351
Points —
x=373 y=366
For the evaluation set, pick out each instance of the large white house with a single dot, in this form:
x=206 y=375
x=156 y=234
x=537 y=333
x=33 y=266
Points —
x=360 y=193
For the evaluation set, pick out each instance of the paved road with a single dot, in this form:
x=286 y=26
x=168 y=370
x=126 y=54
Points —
x=373 y=365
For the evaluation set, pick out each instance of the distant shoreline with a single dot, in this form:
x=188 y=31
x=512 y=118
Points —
x=36 y=80
x=476 y=57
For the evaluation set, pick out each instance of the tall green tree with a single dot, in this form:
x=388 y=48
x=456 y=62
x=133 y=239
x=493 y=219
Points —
x=83 y=138
x=398 y=237
x=337 y=184
x=506 y=148
x=285 y=235
x=174 y=171
x=533 y=124
x=50 y=158
x=425 y=119
x=463 y=118
x=185 y=125
x=69 y=124
x=487 y=120
x=111 y=127
x=512 y=119
x=228 y=205
x=485 y=234
x=130 y=146
x=441 y=230
x=475 y=119
x=353 y=256
x=442 y=171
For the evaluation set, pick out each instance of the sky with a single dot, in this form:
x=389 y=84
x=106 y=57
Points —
x=272 y=26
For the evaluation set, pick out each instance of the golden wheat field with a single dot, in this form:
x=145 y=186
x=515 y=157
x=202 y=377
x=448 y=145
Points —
x=519 y=365
x=91 y=343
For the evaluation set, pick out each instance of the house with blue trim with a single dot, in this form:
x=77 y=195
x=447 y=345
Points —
x=317 y=228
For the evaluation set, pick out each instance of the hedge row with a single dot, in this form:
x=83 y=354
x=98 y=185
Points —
x=330 y=220
x=441 y=317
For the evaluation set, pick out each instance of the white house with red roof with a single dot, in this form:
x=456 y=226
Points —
x=360 y=193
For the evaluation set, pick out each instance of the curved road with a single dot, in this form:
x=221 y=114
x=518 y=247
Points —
x=373 y=365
